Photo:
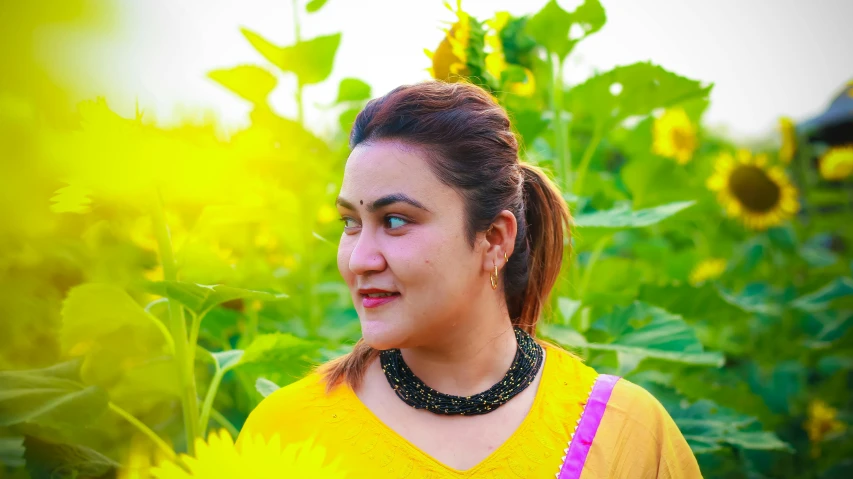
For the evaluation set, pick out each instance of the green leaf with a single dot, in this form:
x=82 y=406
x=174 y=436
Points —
x=552 y=26
x=352 y=89
x=643 y=87
x=311 y=60
x=821 y=299
x=226 y=360
x=568 y=307
x=564 y=335
x=12 y=451
x=653 y=180
x=708 y=426
x=753 y=299
x=50 y=460
x=203 y=297
x=314 y=5
x=266 y=387
x=250 y=82
x=94 y=311
x=641 y=331
x=43 y=397
x=277 y=348
x=623 y=217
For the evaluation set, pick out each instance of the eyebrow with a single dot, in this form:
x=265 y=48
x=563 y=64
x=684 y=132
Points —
x=384 y=201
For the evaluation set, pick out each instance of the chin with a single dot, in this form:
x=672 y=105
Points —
x=381 y=335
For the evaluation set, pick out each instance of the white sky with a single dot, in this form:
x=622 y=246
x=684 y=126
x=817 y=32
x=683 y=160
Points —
x=768 y=58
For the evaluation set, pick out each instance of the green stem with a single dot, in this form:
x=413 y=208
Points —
x=560 y=134
x=587 y=156
x=208 y=399
x=195 y=326
x=224 y=422
x=587 y=274
x=189 y=401
x=165 y=332
x=144 y=430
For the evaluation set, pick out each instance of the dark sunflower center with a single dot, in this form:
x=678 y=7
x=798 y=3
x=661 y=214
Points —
x=682 y=139
x=754 y=189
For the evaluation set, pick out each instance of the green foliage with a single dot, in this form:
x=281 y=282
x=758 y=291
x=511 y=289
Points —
x=310 y=60
x=623 y=217
x=201 y=298
x=47 y=460
x=552 y=26
x=352 y=89
x=49 y=397
x=250 y=82
x=625 y=91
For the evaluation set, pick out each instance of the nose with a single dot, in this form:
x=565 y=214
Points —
x=366 y=256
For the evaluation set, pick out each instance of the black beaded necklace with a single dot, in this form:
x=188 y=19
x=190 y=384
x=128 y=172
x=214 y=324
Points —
x=413 y=391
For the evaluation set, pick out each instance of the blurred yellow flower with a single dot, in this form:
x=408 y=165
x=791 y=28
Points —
x=256 y=459
x=450 y=59
x=711 y=268
x=821 y=422
x=837 y=163
x=789 y=140
x=326 y=214
x=760 y=196
x=674 y=136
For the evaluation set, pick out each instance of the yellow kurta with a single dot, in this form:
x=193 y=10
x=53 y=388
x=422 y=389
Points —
x=636 y=437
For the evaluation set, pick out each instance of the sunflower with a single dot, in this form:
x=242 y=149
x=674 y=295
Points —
x=822 y=421
x=674 y=136
x=789 y=140
x=450 y=59
x=759 y=195
x=256 y=459
x=708 y=269
x=837 y=163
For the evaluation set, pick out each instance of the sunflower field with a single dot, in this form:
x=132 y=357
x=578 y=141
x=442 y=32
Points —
x=156 y=283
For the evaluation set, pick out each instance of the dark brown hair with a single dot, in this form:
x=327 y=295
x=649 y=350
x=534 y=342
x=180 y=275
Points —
x=467 y=138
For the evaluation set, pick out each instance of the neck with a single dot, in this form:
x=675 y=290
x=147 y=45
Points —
x=468 y=359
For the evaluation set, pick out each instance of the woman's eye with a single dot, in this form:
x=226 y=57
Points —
x=348 y=222
x=390 y=221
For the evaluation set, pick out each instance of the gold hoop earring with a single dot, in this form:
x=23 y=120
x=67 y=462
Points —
x=493 y=277
x=505 y=258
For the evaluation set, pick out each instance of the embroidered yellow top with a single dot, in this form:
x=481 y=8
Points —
x=636 y=437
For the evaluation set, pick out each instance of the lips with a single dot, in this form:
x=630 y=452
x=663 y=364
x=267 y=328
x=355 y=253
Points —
x=373 y=298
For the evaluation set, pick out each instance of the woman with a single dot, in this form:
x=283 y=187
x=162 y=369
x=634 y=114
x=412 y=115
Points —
x=450 y=249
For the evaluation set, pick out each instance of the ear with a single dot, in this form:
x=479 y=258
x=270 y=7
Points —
x=499 y=239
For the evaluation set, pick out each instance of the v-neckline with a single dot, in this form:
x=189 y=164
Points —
x=529 y=419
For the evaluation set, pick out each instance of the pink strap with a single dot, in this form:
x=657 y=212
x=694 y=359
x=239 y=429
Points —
x=587 y=427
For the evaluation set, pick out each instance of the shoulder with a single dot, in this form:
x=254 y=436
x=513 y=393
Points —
x=288 y=409
x=634 y=420
x=637 y=406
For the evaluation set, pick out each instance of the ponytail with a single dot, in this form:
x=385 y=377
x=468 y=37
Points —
x=545 y=216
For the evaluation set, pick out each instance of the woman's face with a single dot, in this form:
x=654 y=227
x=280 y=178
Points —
x=404 y=233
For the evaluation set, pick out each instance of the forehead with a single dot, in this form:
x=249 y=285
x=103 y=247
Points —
x=384 y=167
